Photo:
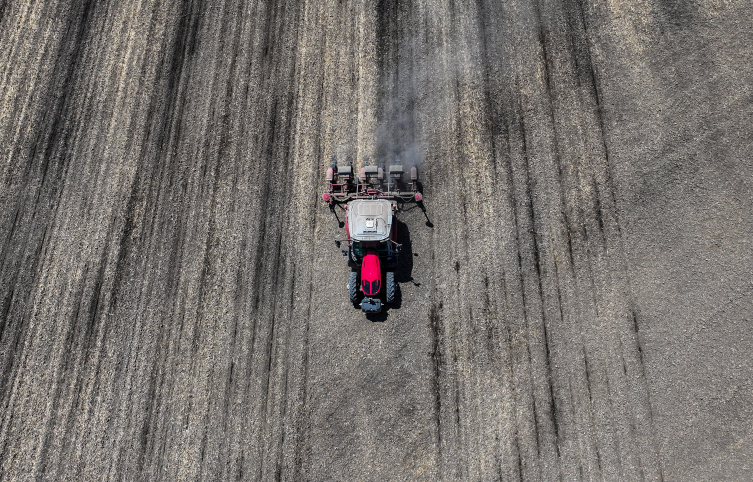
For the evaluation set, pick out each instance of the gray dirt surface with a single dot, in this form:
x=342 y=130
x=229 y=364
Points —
x=575 y=304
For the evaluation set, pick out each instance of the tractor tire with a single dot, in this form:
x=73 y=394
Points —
x=391 y=286
x=353 y=287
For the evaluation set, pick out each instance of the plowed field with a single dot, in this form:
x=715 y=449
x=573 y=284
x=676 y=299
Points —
x=574 y=304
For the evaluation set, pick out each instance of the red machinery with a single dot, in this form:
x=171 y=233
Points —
x=371 y=201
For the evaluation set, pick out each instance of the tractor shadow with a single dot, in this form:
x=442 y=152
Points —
x=420 y=205
x=378 y=317
x=404 y=270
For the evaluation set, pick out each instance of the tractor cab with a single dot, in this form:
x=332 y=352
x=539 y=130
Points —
x=370 y=226
x=370 y=219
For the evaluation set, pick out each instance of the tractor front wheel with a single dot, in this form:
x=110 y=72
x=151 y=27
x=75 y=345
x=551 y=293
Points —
x=390 y=286
x=353 y=287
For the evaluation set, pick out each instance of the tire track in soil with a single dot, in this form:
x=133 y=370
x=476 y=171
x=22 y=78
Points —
x=538 y=342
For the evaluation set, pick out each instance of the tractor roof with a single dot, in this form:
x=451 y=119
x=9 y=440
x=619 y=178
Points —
x=370 y=219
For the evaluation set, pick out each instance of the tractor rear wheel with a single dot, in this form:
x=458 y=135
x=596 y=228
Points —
x=390 y=286
x=353 y=287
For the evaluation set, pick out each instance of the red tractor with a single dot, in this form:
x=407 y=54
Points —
x=370 y=202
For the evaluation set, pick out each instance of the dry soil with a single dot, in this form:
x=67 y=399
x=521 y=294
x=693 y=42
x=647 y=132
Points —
x=575 y=303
